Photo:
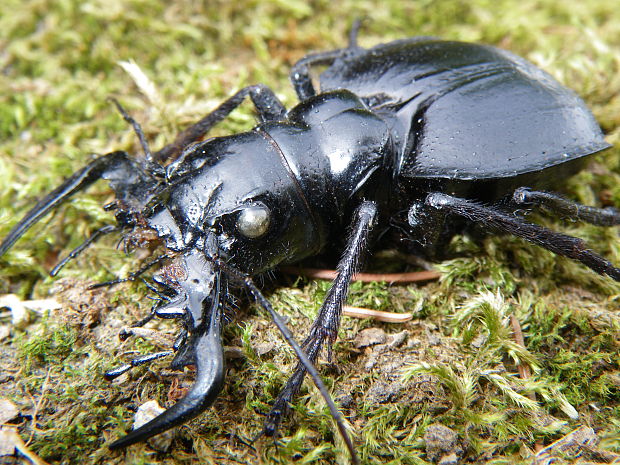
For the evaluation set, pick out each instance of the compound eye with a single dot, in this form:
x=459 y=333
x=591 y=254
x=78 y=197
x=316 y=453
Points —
x=253 y=221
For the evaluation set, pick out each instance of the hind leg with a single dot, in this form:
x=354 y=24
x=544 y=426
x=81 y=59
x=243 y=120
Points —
x=300 y=72
x=492 y=218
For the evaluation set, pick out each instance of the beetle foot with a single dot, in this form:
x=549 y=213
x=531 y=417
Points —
x=282 y=405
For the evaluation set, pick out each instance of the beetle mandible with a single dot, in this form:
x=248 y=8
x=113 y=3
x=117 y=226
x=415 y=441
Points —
x=414 y=139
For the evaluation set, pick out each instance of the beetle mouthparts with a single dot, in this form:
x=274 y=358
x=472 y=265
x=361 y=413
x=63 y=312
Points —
x=208 y=354
x=199 y=290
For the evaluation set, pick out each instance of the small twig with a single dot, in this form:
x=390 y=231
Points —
x=38 y=405
x=358 y=312
x=388 y=317
x=525 y=372
x=9 y=434
x=317 y=273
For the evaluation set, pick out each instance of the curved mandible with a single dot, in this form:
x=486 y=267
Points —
x=210 y=372
x=80 y=180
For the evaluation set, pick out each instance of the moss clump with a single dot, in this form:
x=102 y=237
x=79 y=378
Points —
x=60 y=62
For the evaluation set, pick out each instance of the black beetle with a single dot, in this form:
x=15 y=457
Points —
x=410 y=140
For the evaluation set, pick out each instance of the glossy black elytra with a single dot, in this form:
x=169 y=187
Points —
x=412 y=140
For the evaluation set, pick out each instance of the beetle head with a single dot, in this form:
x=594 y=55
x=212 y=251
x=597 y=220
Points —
x=233 y=197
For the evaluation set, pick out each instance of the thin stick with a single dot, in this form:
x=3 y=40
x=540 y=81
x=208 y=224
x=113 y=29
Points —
x=525 y=372
x=388 y=317
x=412 y=277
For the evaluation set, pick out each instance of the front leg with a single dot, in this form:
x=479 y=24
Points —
x=267 y=105
x=326 y=324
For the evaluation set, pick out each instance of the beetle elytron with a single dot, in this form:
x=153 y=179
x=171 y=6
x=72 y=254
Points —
x=410 y=140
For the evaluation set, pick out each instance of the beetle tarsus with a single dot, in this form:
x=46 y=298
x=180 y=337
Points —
x=304 y=360
x=325 y=326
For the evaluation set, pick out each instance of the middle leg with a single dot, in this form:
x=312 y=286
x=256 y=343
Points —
x=325 y=327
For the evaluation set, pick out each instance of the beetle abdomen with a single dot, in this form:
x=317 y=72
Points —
x=465 y=111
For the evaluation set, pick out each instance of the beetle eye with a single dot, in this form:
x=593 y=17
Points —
x=253 y=221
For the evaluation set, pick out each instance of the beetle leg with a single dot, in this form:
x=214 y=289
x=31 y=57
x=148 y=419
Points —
x=300 y=72
x=265 y=101
x=304 y=359
x=426 y=227
x=561 y=244
x=325 y=327
x=116 y=372
x=353 y=33
x=558 y=205
x=83 y=246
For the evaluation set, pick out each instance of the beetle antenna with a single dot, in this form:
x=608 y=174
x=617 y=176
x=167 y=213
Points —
x=151 y=166
x=132 y=276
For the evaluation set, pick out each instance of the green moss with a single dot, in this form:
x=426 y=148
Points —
x=54 y=344
x=60 y=63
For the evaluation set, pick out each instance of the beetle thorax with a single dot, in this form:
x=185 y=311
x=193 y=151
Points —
x=338 y=151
